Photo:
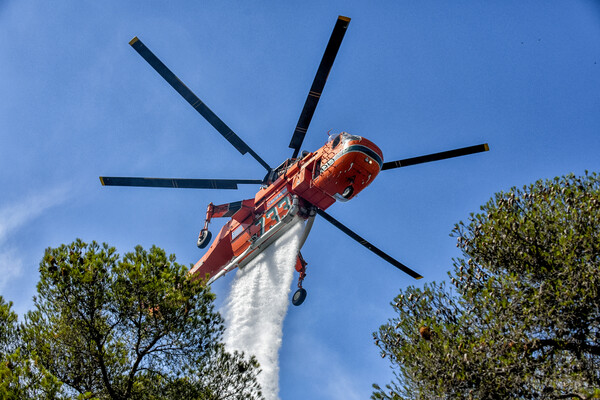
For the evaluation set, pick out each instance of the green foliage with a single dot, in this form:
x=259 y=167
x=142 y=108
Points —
x=131 y=327
x=224 y=376
x=8 y=327
x=522 y=319
x=21 y=377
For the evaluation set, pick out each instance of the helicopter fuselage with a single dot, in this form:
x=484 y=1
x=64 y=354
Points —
x=339 y=170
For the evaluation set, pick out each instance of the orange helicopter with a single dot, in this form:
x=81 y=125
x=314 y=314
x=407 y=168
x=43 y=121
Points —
x=300 y=188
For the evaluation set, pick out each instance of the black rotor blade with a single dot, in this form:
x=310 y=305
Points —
x=368 y=245
x=194 y=101
x=176 y=182
x=319 y=83
x=436 y=156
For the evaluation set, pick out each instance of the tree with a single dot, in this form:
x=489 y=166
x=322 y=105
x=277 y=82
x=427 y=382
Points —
x=521 y=319
x=136 y=327
x=20 y=375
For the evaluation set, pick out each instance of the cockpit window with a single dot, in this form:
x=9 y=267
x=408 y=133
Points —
x=336 y=141
x=343 y=137
x=348 y=137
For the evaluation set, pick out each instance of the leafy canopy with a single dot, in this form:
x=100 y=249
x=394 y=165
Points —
x=21 y=376
x=131 y=327
x=521 y=318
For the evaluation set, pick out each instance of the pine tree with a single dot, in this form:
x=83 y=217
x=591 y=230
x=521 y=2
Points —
x=131 y=327
x=520 y=318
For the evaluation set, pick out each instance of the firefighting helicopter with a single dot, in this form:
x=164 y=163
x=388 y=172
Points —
x=303 y=186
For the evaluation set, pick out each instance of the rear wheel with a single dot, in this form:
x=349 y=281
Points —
x=204 y=239
x=299 y=297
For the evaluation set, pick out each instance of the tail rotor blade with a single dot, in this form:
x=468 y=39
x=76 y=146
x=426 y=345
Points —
x=463 y=151
x=194 y=101
x=319 y=83
x=177 y=182
x=368 y=245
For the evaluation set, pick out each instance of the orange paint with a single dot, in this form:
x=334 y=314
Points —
x=339 y=170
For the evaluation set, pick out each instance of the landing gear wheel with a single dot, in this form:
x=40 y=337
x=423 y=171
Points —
x=204 y=239
x=347 y=193
x=299 y=297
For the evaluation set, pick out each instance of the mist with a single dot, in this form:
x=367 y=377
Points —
x=257 y=305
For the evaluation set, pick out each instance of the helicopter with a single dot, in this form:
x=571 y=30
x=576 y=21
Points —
x=299 y=189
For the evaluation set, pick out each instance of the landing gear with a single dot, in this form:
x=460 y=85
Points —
x=299 y=297
x=347 y=193
x=300 y=294
x=204 y=238
x=205 y=235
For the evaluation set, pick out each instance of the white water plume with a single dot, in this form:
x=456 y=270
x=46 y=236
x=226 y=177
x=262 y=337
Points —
x=257 y=304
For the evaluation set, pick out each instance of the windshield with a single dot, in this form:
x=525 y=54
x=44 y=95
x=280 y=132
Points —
x=344 y=136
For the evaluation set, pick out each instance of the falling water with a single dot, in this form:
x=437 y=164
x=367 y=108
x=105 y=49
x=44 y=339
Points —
x=257 y=305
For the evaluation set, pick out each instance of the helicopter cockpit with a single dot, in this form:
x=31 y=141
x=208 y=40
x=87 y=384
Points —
x=343 y=137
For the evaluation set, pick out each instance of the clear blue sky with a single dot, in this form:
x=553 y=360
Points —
x=414 y=77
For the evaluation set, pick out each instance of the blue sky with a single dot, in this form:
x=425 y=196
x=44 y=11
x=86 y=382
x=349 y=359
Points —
x=414 y=77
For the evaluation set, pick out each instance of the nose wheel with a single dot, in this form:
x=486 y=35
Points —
x=348 y=192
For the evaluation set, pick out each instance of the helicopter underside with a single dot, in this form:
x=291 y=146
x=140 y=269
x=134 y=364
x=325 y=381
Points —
x=248 y=240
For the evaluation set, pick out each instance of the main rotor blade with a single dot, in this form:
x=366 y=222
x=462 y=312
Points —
x=194 y=101
x=176 y=182
x=436 y=156
x=368 y=245
x=319 y=83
